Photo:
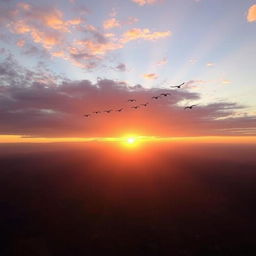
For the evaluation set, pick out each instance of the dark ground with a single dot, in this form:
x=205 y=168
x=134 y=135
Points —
x=102 y=200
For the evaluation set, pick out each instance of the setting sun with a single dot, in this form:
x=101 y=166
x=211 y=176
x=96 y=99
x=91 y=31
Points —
x=131 y=140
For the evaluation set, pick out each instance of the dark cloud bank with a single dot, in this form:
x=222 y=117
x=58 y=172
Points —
x=38 y=103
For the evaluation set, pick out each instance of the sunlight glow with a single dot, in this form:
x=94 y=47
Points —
x=131 y=140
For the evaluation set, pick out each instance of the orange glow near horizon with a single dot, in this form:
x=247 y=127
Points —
x=130 y=140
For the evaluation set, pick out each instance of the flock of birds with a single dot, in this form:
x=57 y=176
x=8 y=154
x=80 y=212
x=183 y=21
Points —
x=140 y=105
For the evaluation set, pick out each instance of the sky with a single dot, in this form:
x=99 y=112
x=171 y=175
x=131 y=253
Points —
x=62 y=59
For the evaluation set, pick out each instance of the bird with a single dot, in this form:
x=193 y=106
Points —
x=165 y=94
x=190 y=107
x=131 y=100
x=178 y=86
x=119 y=110
x=96 y=112
x=108 y=111
x=135 y=107
x=144 y=104
x=87 y=115
x=155 y=97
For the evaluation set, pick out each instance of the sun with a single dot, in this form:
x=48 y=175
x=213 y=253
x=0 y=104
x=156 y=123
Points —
x=131 y=140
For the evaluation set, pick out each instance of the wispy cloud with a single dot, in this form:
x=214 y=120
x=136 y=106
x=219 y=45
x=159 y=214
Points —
x=145 y=2
x=226 y=81
x=162 y=62
x=146 y=34
x=150 y=76
x=210 y=64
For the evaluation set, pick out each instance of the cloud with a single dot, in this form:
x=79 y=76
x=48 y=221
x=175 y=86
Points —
x=98 y=48
x=150 y=76
x=251 y=15
x=111 y=23
x=38 y=103
x=131 y=21
x=121 y=67
x=20 y=43
x=192 y=61
x=192 y=84
x=210 y=64
x=145 y=2
x=45 y=25
x=35 y=26
x=162 y=62
x=47 y=38
x=226 y=81
x=146 y=34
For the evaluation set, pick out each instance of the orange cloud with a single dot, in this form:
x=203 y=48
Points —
x=251 y=16
x=111 y=23
x=144 y=2
x=225 y=81
x=47 y=39
x=60 y=54
x=150 y=76
x=98 y=48
x=146 y=34
x=49 y=28
x=45 y=25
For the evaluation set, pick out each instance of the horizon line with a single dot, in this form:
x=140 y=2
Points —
x=6 y=139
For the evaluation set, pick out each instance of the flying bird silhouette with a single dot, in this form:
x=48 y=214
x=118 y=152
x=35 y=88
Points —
x=190 y=107
x=87 y=115
x=96 y=112
x=131 y=100
x=165 y=94
x=178 y=86
x=119 y=110
x=155 y=97
x=135 y=107
x=144 y=104
x=108 y=111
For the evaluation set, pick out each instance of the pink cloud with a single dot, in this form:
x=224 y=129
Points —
x=145 y=2
x=20 y=43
